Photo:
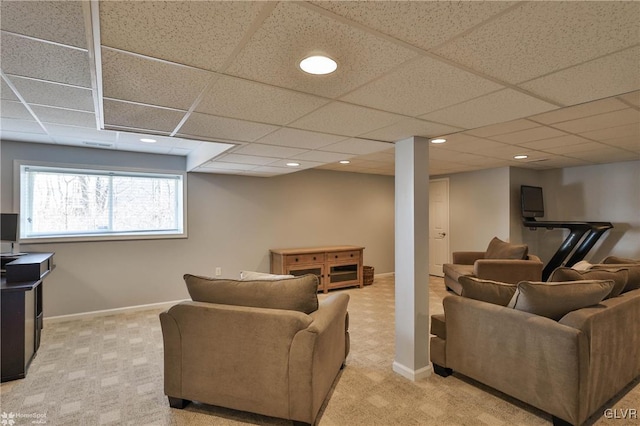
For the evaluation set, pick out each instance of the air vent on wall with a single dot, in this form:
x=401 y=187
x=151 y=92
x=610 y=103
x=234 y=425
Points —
x=98 y=144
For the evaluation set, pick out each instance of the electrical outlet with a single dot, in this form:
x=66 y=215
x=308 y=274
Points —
x=218 y=271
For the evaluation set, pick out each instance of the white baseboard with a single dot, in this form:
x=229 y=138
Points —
x=94 y=314
x=413 y=375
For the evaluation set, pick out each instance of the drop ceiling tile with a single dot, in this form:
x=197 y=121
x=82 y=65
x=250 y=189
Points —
x=65 y=116
x=631 y=143
x=357 y=146
x=272 y=171
x=410 y=127
x=293 y=32
x=345 y=119
x=529 y=135
x=611 y=75
x=235 y=97
x=632 y=98
x=139 y=79
x=246 y=159
x=410 y=89
x=544 y=144
x=573 y=148
x=423 y=24
x=506 y=152
x=551 y=37
x=196 y=33
x=613 y=132
x=17 y=125
x=269 y=150
x=606 y=155
x=303 y=165
x=227 y=166
x=579 y=111
x=471 y=145
x=601 y=121
x=383 y=156
x=17 y=110
x=559 y=161
x=6 y=92
x=144 y=117
x=502 y=128
x=54 y=94
x=299 y=138
x=31 y=58
x=322 y=157
x=498 y=107
x=455 y=156
x=84 y=133
x=59 y=21
x=213 y=127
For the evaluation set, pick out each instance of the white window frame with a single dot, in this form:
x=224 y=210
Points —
x=93 y=169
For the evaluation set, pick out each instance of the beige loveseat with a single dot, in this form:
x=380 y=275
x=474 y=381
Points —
x=266 y=347
x=509 y=263
x=568 y=367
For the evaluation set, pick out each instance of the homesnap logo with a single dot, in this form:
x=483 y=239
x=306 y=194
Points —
x=7 y=419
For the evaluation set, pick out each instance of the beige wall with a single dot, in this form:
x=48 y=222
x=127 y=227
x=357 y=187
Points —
x=233 y=221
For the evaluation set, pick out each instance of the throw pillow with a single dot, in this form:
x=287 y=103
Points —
x=556 y=299
x=619 y=276
x=499 y=249
x=583 y=265
x=633 y=280
x=257 y=276
x=486 y=290
x=295 y=294
x=618 y=260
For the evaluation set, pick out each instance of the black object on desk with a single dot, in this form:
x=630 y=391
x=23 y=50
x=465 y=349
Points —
x=21 y=316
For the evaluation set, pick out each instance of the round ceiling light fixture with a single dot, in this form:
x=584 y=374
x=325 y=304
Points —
x=293 y=164
x=438 y=140
x=521 y=157
x=345 y=162
x=318 y=65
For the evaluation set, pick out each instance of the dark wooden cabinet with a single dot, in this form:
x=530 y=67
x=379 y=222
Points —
x=21 y=319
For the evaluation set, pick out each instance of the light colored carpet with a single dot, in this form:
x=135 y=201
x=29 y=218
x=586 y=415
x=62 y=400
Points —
x=108 y=370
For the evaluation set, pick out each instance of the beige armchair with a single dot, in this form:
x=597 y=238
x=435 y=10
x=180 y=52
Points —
x=278 y=355
x=503 y=262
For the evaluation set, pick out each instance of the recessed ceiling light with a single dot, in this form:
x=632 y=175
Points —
x=521 y=157
x=345 y=162
x=318 y=65
x=293 y=164
x=148 y=140
x=438 y=140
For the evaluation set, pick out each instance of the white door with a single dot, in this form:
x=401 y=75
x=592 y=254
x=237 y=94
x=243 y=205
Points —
x=438 y=225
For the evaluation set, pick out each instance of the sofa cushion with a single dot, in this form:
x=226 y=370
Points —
x=455 y=271
x=258 y=276
x=618 y=275
x=618 y=260
x=555 y=299
x=633 y=280
x=486 y=290
x=499 y=249
x=438 y=327
x=295 y=294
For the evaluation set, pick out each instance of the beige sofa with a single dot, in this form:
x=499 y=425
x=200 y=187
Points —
x=568 y=367
x=501 y=261
x=264 y=347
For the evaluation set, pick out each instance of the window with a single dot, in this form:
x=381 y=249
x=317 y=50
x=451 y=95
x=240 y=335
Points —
x=83 y=204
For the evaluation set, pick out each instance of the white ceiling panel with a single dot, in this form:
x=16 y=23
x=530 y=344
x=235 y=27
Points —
x=472 y=145
x=54 y=94
x=246 y=159
x=544 y=144
x=605 y=155
x=616 y=73
x=357 y=146
x=631 y=143
x=580 y=111
x=292 y=32
x=124 y=114
x=632 y=98
x=529 y=135
x=628 y=130
x=29 y=127
x=17 y=110
x=504 y=105
x=138 y=79
x=345 y=119
x=573 y=148
x=196 y=33
x=423 y=24
x=322 y=156
x=65 y=116
x=59 y=21
x=213 y=127
x=6 y=92
x=601 y=121
x=268 y=150
x=502 y=128
x=46 y=61
x=550 y=37
x=235 y=97
x=410 y=127
x=271 y=171
x=299 y=138
x=302 y=165
x=411 y=89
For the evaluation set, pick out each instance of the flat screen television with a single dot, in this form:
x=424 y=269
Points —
x=9 y=227
x=532 y=202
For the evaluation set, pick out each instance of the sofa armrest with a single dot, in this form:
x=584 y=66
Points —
x=529 y=357
x=317 y=354
x=508 y=270
x=466 y=257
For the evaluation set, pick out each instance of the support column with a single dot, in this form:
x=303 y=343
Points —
x=412 y=258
